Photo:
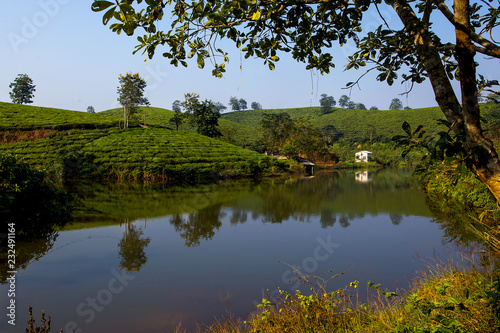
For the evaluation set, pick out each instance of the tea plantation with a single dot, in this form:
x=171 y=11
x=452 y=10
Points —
x=92 y=145
x=23 y=117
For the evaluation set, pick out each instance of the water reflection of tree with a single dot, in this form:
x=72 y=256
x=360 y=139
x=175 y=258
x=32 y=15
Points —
x=239 y=216
x=200 y=225
x=296 y=200
x=328 y=219
x=396 y=218
x=132 y=245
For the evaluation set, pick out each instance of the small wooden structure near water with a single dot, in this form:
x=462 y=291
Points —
x=308 y=165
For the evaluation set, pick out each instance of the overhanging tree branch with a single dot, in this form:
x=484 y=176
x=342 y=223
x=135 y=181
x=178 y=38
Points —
x=489 y=48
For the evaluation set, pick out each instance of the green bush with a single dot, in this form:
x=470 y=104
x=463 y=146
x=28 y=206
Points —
x=30 y=201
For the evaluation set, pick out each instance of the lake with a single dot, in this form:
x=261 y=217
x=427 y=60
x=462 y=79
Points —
x=145 y=258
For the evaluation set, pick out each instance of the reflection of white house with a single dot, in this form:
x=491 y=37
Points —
x=363 y=176
x=363 y=156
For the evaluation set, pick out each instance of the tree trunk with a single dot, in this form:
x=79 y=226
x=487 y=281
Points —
x=124 y=117
x=484 y=164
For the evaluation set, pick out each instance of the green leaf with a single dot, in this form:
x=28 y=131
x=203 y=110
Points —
x=201 y=61
x=256 y=16
x=98 y=6
x=108 y=15
x=407 y=128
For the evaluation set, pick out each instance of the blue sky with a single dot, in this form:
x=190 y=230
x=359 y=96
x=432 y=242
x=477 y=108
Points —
x=75 y=61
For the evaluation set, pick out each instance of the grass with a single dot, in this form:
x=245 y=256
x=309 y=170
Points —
x=445 y=298
x=16 y=117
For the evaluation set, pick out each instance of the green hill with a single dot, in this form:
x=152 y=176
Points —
x=84 y=144
x=352 y=123
x=237 y=133
x=16 y=117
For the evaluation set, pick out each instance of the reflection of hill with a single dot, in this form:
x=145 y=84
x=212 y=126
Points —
x=337 y=196
x=198 y=212
x=107 y=204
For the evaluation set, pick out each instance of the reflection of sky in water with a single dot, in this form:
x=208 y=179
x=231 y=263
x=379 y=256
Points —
x=235 y=256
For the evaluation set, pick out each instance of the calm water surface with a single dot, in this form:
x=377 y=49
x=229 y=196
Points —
x=143 y=259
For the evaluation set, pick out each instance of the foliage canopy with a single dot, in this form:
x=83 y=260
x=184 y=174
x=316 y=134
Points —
x=22 y=89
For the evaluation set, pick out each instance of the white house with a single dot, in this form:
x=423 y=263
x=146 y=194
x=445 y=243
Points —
x=363 y=176
x=364 y=156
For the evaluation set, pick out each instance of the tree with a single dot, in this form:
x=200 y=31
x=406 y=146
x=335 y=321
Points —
x=256 y=106
x=344 y=101
x=407 y=108
x=177 y=119
x=276 y=128
x=374 y=108
x=22 y=89
x=207 y=119
x=176 y=106
x=234 y=103
x=243 y=104
x=416 y=51
x=331 y=133
x=203 y=115
x=219 y=106
x=131 y=95
x=90 y=109
x=326 y=102
x=493 y=97
x=370 y=132
x=396 y=104
x=351 y=105
x=360 y=106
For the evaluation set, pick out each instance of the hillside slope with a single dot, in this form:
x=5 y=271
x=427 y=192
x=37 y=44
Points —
x=352 y=123
x=237 y=133
x=16 y=117
x=84 y=144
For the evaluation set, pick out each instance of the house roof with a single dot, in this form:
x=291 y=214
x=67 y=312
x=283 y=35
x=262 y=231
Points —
x=364 y=151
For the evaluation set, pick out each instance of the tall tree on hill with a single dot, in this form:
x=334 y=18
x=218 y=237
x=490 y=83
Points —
x=207 y=119
x=243 y=104
x=234 y=103
x=418 y=50
x=22 y=89
x=176 y=106
x=326 y=102
x=177 y=119
x=90 y=109
x=256 y=106
x=203 y=115
x=219 y=106
x=360 y=106
x=396 y=104
x=344 y=101
x=131 y=95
